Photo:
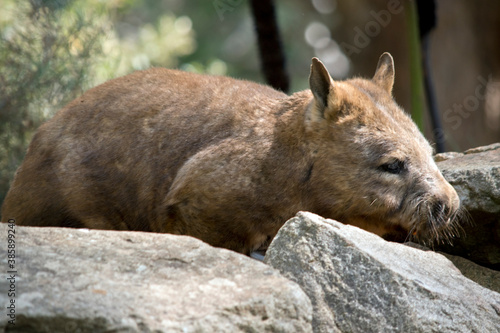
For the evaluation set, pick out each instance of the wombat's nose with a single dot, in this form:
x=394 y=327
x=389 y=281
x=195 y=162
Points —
x=453 y=200
x=446 y=206
x=439 y=210
x=447 y=201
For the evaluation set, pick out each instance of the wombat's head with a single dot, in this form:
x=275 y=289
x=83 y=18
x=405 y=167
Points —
x=372 y=166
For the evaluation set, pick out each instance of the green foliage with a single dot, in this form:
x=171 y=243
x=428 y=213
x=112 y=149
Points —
x=46 y=47
x=53 y=50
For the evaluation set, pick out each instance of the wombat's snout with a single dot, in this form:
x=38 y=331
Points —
x=449 y=201
x=443 y=209
x=439 y=216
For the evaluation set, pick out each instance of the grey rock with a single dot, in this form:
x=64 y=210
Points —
x=71 y=280
x=476 y=177
x=452 y=154
x=493 y=146
x=446 y=156
x=487 y=278
x=483 y=276
x=360 y=283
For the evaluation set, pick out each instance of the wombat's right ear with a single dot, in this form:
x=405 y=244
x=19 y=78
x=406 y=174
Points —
x=321 y=86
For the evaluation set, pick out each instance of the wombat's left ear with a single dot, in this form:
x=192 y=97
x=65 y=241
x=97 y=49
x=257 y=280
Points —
x=384 y=75
x=321 y=86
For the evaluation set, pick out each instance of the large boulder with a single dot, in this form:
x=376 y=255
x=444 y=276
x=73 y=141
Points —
x=71 y=280
x=475 y=174
x=358 y=282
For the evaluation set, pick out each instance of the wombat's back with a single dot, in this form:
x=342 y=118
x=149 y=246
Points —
x=115 y=150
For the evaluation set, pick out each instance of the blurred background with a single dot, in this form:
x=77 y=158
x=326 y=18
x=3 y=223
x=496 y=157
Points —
x=51 y=51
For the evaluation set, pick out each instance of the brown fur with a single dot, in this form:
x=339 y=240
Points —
x=229 y=161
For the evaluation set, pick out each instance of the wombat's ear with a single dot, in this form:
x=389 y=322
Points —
x=321 y=85
x=384 y=75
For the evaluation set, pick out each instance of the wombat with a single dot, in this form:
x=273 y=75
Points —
x=229 y=161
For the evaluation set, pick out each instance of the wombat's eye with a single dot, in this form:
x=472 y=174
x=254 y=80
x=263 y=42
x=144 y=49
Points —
x=395 y=167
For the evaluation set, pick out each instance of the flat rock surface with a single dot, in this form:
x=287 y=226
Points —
x=71 y=280
x=360 y=283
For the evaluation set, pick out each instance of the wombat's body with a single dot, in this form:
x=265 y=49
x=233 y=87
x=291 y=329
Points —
x=229 y=161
